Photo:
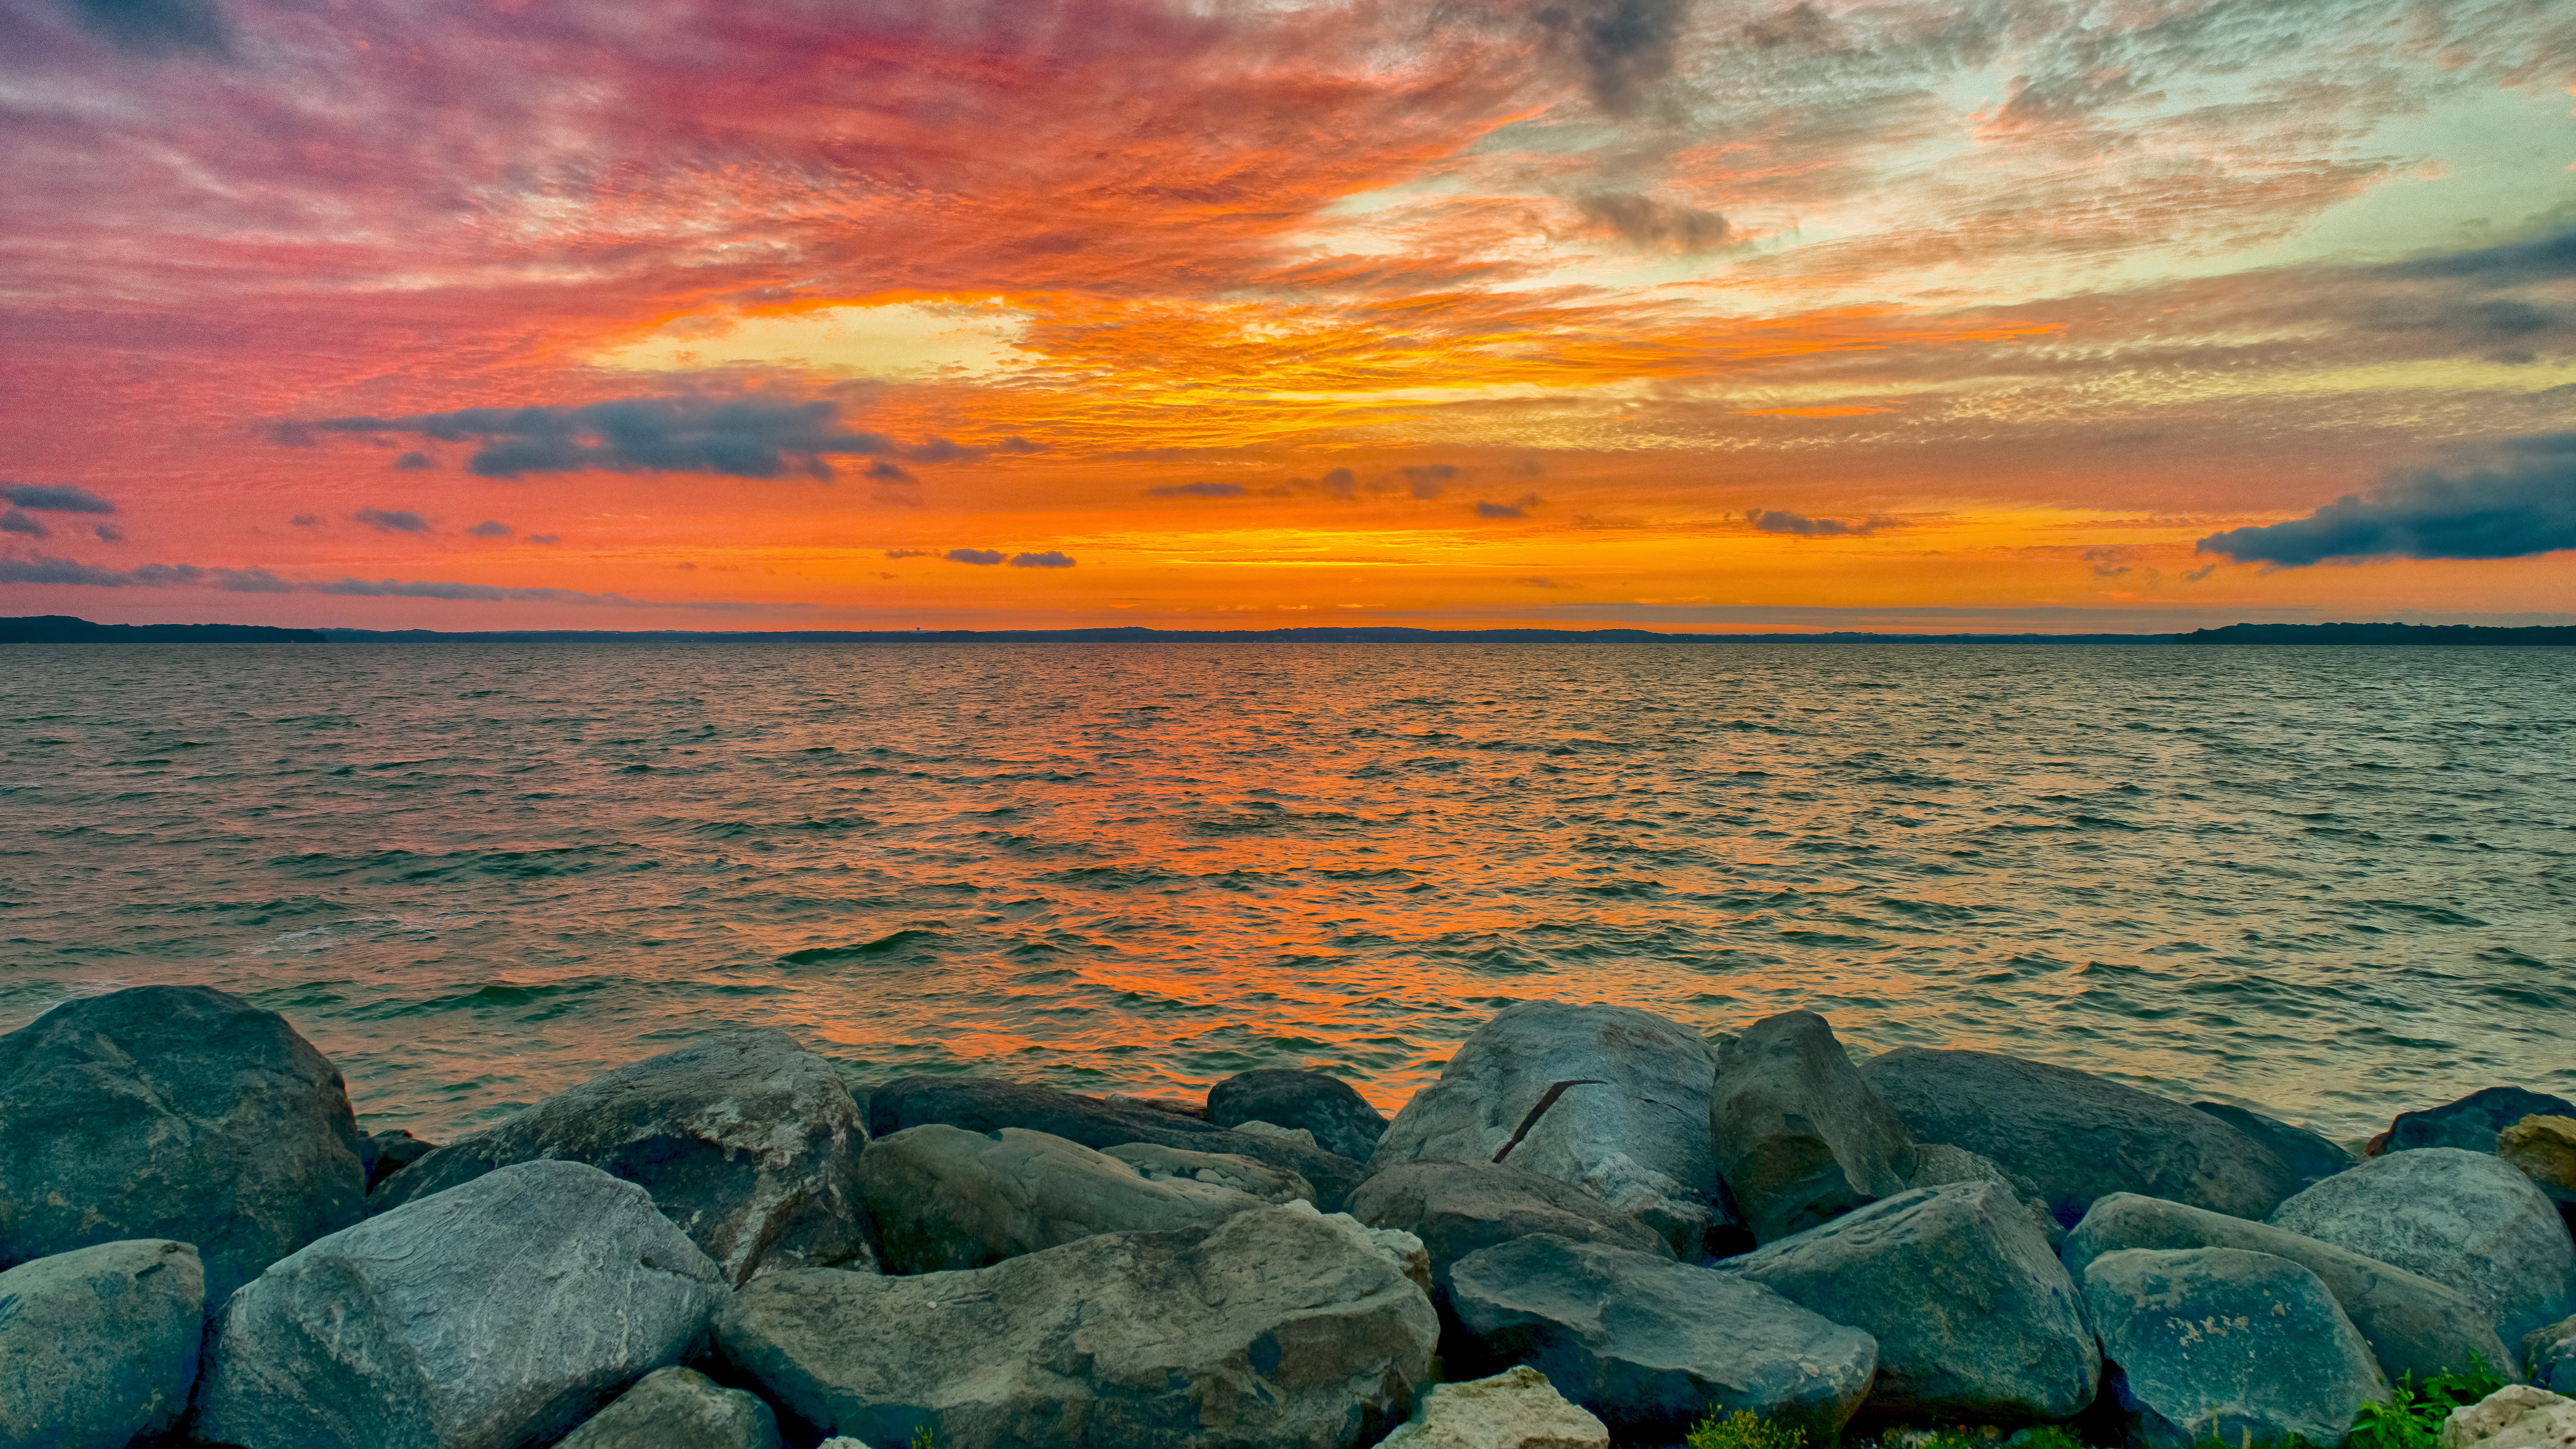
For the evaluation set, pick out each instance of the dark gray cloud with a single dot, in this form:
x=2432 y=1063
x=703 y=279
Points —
x=1646 y=222
x=980 y=556
x=1429 y=480
x=1341 y=484
x=1780 y=520
x=490 y=528
x=306 y=520
x=1196 y=490
x=154 y=27
x=909 y=553
x=46 y=569
x=1047 y=560
x=414 y=462
x=54 y=498
x=2514 y=264
x=739 y=437
x=889 y=471
x=545 y=538
x=1517 y=508
x=391 y=520
x=2518 y=499
x=1622 y=46
x=109 y=533
x=14 y=521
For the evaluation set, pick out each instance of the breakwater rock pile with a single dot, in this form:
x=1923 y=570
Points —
x=1597 y=1227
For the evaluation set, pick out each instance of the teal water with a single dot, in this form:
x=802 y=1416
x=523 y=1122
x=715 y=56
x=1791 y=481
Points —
x=2333 y=883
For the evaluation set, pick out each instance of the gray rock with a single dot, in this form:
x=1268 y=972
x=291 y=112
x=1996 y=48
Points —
x=1608 y=1098
x=1458 y=1208
x=744 y=1140
x=173 y=1112
x=389 y=1152
x=488 y=1316
x=946 y=1198
x=2517 y=1416
x=677 y=1408
x=1800 y=1138
x=2472 y=1122
x=2412 y=1324
x=981 y=1104
x=1299 y=1135
x=1515 y=1409
x=2549 y=1357
x=98 y=1346
x=1341 y=1119
x=1651 y=1345
x=2457 y=1217
x=1938 y=1164
x=2311 y=1156
x=2223 y=1342
x=1277 y=1328
x=1975 y=1318
x=1217 y=1169
x=2068 y=1137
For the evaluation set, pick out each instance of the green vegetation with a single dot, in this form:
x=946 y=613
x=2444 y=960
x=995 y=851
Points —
x=2412 y=1417
x=1744 y=1429
x=925 y=1438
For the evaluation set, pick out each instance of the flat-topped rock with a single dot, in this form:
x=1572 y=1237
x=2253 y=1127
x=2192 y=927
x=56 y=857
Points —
x=745 y=1140
x=1457 y=1208
x=175 y=1112
x=1216 y=1169
x=98 y=1346
x=946 y=1198
x=2517 y=1416
x=2472 y=1123
x=678 y=1408
x=1341 y=1119
x=1515 y=1409
x=2312 y=1156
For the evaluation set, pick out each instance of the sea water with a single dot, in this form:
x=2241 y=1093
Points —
x=2329 y=882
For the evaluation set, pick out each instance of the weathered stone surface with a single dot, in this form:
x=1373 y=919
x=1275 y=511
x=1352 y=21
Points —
x=2309 y=1156
x=946 y=1198
x=2517 y=1416
x=744 y=1140
x=98 y=1346
x=2204 y=1340
x=2472 y=1122
x=1299 y=1135
x=1515 y=1409
x=173 y=1112
x=2549 y=1356
x=2457 y=1217
x=1341 y=1119
x=1276 y=1328
x=1938 y=1164
x=1457 y=1208
x=2068 y=1137
x=2544 y=1150
x=386 y=1153
x=1652 y=1345
x=1216 y=1169
x=489 y=1316
x=1608 y=1098
x=1800 y=1138
x=2413 y=1324
x=1975 y=1318
x=981 y=1104
x=678 y=1408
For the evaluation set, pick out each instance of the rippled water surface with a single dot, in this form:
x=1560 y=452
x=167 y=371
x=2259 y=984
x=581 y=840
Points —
x=2332 y=882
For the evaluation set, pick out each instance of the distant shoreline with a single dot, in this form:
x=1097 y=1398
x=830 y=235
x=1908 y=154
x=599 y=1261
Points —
x=63 y=629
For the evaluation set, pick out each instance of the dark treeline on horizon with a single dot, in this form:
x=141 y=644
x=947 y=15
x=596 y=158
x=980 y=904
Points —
x=63 y=629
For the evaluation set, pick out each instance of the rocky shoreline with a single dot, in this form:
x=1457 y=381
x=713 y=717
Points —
x=1598 y=1227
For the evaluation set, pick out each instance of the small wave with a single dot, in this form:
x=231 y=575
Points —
x=885 y=945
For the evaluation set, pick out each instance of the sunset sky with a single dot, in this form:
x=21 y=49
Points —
x=1931 y=315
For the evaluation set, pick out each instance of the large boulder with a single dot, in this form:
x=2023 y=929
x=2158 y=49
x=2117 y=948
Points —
x=1974 y=1316
x=2472 y=1122
x=2412 y=1324
x=489 y=1316
x=946 y=1198
x=1651 y=1345
x=1608 y=1098
x=2549 y=1355
x=1276 y=1328
x=2311 y=1156
x=1800 y=1138
x=678 y=1408
x=1217 y=1169
x=982 y=1104
x=2458 y=1217
x=1515 y=1409
x=1458 y=1208
x=2068 y=1137
x=744 y=1140
x=2517 y=1416
x=2223 y=1343
x=174 y=1112
x=2543 y=1149
x=98 y=1346
x=1343 y=1122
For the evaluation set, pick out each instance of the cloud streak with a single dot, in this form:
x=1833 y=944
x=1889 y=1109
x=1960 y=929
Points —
x=54 y=498
x=2521 y=502
x=1780 y=520
x=47 y=569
